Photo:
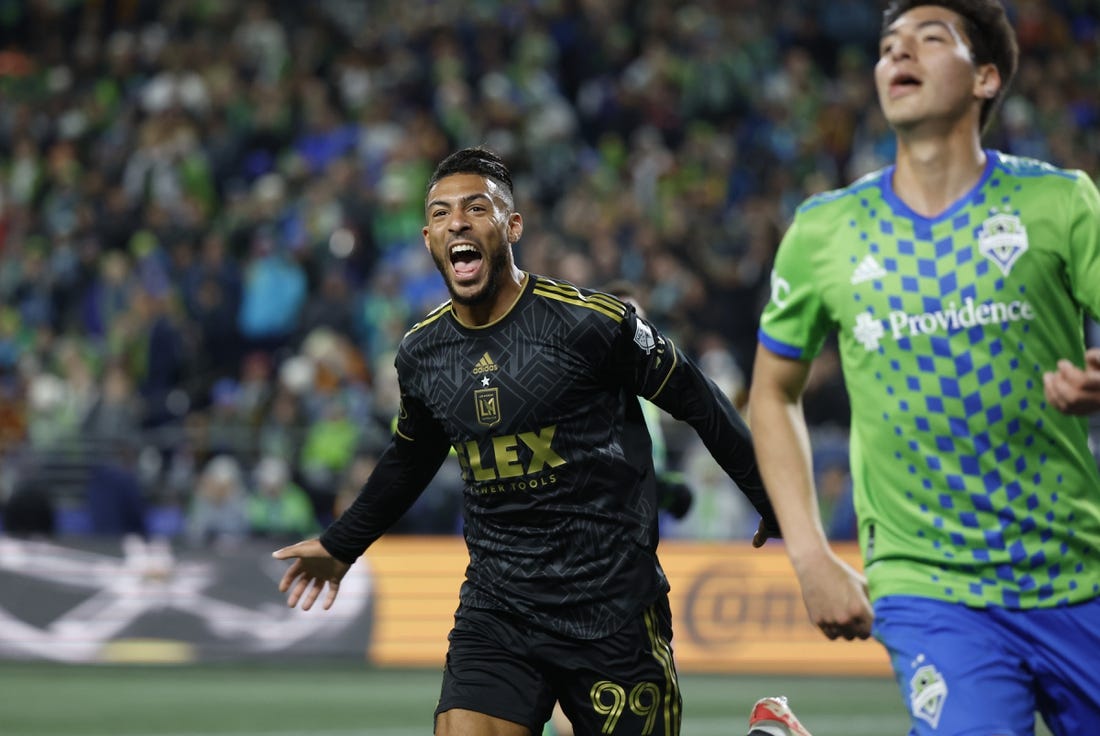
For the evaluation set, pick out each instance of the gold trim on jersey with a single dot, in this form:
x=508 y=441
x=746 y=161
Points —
x=432 y=316
x=522 y=291
x=675 y=360
x=662 y=652
x=606 y=305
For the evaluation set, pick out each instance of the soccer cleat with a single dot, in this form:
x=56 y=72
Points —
x=773 y=717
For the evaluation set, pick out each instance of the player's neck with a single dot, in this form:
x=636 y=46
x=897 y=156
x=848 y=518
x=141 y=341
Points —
x=934 y=172
x=482 y=315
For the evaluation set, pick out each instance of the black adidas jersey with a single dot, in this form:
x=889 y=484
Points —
x=541 y=407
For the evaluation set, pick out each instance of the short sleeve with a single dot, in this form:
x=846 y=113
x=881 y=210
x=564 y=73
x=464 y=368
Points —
x=795 y=323
x=1083 y=260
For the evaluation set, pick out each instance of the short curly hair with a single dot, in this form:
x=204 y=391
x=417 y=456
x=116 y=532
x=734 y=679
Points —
x=475 y=160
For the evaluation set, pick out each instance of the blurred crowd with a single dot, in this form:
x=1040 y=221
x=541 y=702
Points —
x=210 y=219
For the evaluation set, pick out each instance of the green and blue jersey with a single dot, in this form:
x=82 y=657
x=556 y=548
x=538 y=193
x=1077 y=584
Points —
x=969 y=487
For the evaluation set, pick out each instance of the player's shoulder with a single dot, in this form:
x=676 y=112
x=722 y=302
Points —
x=1048 y=188
x=1025 y=167
x=426 y=325
x=558 y=294
x=824 y=205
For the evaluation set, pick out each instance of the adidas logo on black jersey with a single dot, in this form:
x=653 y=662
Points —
x=485 y=365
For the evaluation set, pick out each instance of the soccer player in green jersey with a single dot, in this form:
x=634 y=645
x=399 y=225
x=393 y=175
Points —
x=958 y=281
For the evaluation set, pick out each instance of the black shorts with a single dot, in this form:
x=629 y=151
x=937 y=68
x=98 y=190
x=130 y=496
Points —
x=621 y=685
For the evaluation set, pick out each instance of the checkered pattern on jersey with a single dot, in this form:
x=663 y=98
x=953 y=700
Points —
x=964 y=422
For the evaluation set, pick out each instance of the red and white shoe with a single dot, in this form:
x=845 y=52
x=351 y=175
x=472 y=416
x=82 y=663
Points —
x=772 y=716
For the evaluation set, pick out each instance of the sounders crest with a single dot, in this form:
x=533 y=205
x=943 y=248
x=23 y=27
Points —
x=1002 y=239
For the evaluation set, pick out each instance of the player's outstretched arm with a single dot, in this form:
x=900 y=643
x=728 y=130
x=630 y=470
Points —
x=834 y=593
x=1073 y=390
x=312 y=569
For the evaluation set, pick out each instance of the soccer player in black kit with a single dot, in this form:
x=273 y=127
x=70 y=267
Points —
x=534 y=384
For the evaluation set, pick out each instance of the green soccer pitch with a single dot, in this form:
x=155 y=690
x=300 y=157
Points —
x=341 y=699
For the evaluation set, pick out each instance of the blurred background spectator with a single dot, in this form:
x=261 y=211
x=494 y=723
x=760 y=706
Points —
x=218 y=509
x=210 y=213
x=277 y=507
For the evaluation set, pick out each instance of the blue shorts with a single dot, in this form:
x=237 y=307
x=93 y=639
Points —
x=985 y=672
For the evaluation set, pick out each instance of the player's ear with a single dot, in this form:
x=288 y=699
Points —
x=515 y=227
x=427 y=243
x=987 y=82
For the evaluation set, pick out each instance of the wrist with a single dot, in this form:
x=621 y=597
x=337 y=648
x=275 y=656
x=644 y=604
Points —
x=808 y=554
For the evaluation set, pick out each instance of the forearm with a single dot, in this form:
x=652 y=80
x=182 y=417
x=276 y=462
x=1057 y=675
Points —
x=691 y=397
x=783 y=451
x=663 y=375
x=402 y=474
x=732 y=446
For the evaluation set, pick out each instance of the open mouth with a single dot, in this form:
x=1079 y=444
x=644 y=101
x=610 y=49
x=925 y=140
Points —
x=903 y=83
x=465 y=260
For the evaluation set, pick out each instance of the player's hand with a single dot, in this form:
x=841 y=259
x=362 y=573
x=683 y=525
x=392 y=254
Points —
x=764 y=532
x=1072 y=390
x=312 y=568
x=836 y=597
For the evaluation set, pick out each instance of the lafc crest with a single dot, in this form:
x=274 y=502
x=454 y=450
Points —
x=487 y=401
